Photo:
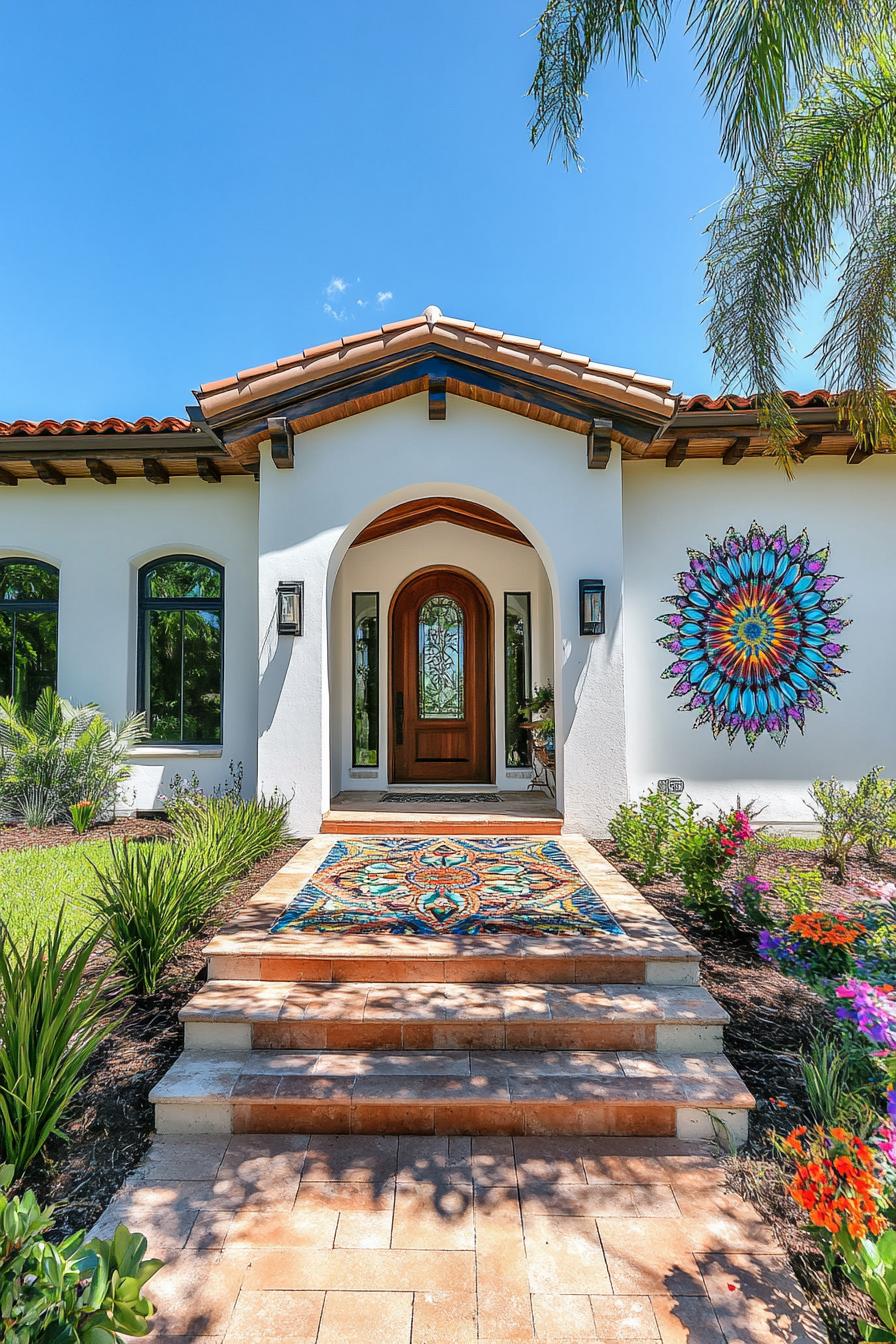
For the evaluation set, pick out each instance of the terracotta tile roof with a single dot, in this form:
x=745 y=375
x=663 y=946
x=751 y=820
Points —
x=455 y=334
x=729 y=402
x=12 y=429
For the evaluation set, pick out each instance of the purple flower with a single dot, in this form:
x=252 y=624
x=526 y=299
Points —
x=675 y=621
x=688 y=582
x=832 y=650
x=827 y=581
x=833 y=624
x=872 y=1010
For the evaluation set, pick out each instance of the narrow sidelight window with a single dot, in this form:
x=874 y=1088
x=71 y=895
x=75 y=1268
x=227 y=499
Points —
x=180 y=664
x=29 y=620
x=517 y=675
x=365 y=678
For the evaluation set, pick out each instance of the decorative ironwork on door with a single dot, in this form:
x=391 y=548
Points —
x=440 y=644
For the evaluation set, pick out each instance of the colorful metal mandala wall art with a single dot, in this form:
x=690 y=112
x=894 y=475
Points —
x=754 y=634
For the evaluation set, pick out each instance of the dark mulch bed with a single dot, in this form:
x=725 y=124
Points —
x=122 y=828
x=110 y=1124
x=773 y=1019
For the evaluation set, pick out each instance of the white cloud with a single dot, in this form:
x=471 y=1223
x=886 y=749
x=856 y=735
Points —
x=341 y=304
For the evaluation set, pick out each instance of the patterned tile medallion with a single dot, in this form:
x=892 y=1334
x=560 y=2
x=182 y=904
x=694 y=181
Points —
x=432 y=886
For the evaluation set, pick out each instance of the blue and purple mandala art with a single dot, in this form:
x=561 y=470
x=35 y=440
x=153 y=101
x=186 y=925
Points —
x=754 y=634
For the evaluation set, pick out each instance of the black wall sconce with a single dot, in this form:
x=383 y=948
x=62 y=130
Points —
x=592 y=607
x=290 y=608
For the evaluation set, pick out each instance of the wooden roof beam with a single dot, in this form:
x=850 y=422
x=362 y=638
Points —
x=49 y=474
x=733 y=455
x=438 y=398
x=600 y=445
x=282 y=439
x=208 y=470
x=155 y=472
x=677 y=453
x=809 y=445
x=101 y=471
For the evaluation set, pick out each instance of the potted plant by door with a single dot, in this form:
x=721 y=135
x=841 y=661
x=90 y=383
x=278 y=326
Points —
x=541 y=728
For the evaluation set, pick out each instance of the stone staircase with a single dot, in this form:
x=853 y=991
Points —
x=476 y=1035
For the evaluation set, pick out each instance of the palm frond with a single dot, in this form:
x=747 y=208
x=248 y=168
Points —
x=858 y=350
x=758 y=59
x=774 y=237
x=573 y=37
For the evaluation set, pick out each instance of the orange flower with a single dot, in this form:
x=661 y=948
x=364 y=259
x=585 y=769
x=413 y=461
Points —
x=827 y=930
x=836 y=1182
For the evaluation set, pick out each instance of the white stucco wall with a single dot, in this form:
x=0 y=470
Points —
x=381 y=566
x=349 y=472
x=98 y=537
x=852 y=508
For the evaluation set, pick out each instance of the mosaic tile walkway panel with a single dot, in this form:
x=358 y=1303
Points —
x=432 y=886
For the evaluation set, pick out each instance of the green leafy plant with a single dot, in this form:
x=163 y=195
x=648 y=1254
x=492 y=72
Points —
x=645 y=831
x=842 y=1087
x=876 y=802
x=703 y=852
x=871 y=1265
x=798 y=889
x=83 y=815
x=50 y=1024
x=847 y=817
x=71 y=1292
x=58 y=754
x=152 y=897
x=228 y=833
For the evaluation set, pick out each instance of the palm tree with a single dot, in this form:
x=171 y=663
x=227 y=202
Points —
x=805 y=91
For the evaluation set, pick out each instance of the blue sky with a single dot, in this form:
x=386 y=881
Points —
x=190 y=185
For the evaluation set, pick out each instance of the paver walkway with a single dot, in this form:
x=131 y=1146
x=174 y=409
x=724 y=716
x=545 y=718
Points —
x=354 y=1239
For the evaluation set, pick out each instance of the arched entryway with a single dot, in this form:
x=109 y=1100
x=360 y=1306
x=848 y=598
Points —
x=441 y=720
x=510 y=645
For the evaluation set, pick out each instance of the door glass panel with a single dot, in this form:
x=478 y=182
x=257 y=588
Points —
x=365 y=678
x=517 y=675
x=440 y=634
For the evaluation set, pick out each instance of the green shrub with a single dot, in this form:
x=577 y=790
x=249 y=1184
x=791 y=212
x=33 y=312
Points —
x=798 y=889
x=229 y=832
x=50 y=1024
x=847 y=817
x=871 y=1265
x=152 y=898
x=876 y=799
x=58 y=754
x=644 y=832
x=72 y=1291
x=703 y=853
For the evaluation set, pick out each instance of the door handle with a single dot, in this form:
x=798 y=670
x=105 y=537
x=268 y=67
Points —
x=399 y=718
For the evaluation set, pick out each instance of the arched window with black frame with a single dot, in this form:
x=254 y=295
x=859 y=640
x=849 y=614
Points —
x=29 y=625
x=180 y=656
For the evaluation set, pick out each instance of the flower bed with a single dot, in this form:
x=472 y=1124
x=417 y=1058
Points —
x=800 y=952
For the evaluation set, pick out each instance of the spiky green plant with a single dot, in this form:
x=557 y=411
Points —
x=805 y=91
x=51 y=1021
x=59 y=753
x=152 y=897
x=230 y=832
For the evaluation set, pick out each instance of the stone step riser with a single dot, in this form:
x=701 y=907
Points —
x=683 y=1038
x=647 y=1120
x=458 y=970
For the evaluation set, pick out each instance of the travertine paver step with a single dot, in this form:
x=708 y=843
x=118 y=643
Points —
x=436 y=1016
x=452 y=1092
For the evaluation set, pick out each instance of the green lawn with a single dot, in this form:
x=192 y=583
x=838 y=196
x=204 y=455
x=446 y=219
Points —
x=36 y=883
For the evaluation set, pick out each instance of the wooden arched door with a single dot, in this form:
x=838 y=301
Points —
x=440 y=712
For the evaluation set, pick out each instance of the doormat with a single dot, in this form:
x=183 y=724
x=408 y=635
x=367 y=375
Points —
x=437 y=886
x=441 y=798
